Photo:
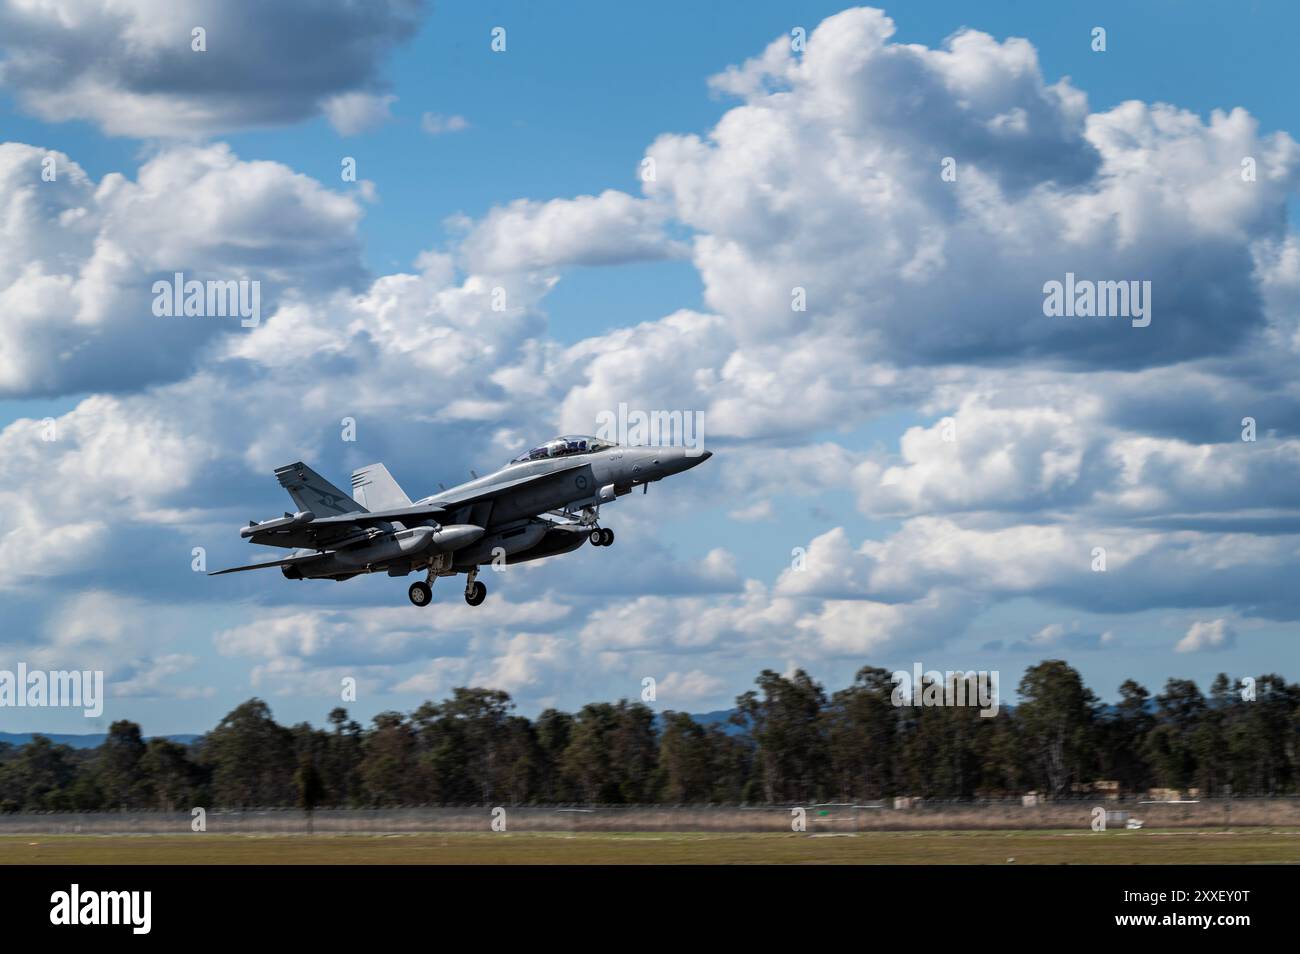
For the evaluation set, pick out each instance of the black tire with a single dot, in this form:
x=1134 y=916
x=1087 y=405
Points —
x=476 y=595
x=609 y=537
x=420 y=593
x=597 y=538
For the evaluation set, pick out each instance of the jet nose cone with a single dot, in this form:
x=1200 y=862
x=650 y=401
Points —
x=666 y=461
x=690 y=460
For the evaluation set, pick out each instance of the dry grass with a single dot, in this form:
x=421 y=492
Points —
x=505 y=848
x=1276 y=813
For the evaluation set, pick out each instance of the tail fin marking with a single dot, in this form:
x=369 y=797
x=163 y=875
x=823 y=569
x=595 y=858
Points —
x=311 y=491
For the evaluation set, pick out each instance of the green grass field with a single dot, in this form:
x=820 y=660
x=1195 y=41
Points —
x=497 y=848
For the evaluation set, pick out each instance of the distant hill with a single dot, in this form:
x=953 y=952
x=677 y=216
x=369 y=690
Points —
x=92 y=741
x=719 y=717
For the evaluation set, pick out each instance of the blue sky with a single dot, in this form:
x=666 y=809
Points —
x=825 y=425
x=571 y=108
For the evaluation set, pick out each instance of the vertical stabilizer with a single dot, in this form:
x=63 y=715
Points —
x=374 y=487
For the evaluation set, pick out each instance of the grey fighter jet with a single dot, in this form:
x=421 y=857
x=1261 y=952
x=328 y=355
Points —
x=542 y=503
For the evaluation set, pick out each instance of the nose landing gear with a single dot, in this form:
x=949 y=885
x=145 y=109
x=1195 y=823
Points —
x=603 y=537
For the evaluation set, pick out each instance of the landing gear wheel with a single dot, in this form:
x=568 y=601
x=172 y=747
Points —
x=420 y=593
x=607 y=537
x=597 y=538
x=477 y=594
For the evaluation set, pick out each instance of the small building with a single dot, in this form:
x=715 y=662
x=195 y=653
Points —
x=1107 y=788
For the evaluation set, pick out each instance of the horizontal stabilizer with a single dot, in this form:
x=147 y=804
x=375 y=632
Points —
x=289 y=561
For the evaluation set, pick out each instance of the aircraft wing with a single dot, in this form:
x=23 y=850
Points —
x=324 y=533
x=339 y=531
x=446 y=503
x=416 y=513
x=456 y=498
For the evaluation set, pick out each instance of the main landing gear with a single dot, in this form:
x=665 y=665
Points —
x=420 y=593
x=601 y=537
x=475 y=592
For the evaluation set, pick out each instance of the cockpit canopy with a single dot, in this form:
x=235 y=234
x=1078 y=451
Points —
x=565 y=446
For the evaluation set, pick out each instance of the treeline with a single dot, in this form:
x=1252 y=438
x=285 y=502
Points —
x=787 y=742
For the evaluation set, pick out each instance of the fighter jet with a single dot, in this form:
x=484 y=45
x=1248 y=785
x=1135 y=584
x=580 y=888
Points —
x=543 y=503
